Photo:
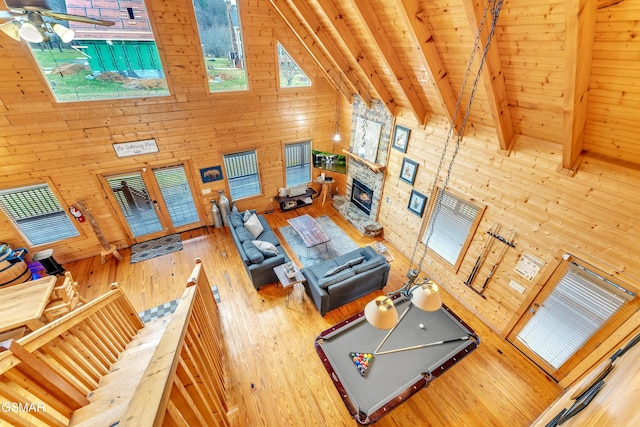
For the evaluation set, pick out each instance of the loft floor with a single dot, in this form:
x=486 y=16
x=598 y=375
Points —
x=271 y=346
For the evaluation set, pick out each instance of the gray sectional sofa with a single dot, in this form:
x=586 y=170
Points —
x=259 y=263
x=335 y=282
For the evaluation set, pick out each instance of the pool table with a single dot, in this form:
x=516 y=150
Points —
x=393 y=377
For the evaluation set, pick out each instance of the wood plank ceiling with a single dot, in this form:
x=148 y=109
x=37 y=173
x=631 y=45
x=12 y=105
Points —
x=413 y=54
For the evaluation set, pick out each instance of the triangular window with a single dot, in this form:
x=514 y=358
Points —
x=291 y=75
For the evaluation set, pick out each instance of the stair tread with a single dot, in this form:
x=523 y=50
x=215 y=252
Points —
x=111 y=398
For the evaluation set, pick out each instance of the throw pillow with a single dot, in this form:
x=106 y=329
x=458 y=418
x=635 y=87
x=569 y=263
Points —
x=267 y=249
x=355 y=261
x=325 y=282
x=252 y=253
x=253 y=226
x=372 y=263
x=336 y=269
x=246 y=215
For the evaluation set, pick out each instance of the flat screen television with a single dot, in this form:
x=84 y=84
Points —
x=329 y=161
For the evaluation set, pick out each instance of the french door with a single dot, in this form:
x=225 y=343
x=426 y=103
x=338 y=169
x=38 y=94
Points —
x=153 y=202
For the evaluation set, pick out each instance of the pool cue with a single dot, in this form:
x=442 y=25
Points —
x=465 y=338
x=483 y=253
x=507 y=244
x=394 y=327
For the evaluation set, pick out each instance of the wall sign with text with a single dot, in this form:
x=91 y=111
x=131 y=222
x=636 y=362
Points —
x=135 y=148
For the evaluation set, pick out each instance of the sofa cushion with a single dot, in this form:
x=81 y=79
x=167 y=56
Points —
x=235 y=219
x=252 y=253
x=336 y=270
x=253 y=226
x=325 y=282
x=372 y=263
x=266 y=248
x=243 y=234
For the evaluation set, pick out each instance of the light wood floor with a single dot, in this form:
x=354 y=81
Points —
x=275 y=375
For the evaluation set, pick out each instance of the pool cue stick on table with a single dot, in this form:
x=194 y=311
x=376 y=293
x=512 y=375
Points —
x=413 y=347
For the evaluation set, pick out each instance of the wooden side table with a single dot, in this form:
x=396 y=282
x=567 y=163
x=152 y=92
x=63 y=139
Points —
x=325 y=187
x=289 y=284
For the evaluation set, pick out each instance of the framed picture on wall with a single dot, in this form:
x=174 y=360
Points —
x=417 y=202
x=401 y=138
x=211 y=174
x=408 y=171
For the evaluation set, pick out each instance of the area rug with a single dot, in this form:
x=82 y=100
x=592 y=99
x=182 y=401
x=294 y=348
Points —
x=169 y=307
x=339 y=244
x=154 y=248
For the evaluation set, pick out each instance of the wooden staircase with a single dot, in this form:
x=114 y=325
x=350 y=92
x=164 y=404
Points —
x=101 y=366
x=115 y=390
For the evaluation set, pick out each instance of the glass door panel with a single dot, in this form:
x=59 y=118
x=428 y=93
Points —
x=176 y=193
x=136 y=204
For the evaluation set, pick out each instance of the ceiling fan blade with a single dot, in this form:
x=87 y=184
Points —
x=5 y=16
x=76 y=18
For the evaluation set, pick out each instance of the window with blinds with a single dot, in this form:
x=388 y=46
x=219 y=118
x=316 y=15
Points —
x=298 y=163
x=580 y=304
x=37 y=214
x=242 y=174
x=176 y=194
x=450 y=226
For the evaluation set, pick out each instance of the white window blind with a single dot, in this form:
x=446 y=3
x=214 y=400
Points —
x=176 y=193
x=37 y=214
x=449 y=226
x=580 y=304
x=242 y=174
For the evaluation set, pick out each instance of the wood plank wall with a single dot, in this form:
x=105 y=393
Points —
x=592 y=215
x=70 y=143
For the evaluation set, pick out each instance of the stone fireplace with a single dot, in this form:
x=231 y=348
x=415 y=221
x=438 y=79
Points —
x=363 y=193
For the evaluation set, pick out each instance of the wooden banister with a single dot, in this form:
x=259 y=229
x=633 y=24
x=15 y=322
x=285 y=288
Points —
x=185 y=380
x=54 y=368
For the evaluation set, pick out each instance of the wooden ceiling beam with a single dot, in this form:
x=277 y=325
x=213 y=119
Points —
x=321 y=53
x=416 y=21
x=580 y=23
x=354 y=48
x=492 y=76
x=388 y=54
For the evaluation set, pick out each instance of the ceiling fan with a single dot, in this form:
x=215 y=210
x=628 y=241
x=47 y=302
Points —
x=25 y=20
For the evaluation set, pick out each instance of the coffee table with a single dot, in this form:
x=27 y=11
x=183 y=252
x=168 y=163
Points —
x=289 y=283
x=309 y=230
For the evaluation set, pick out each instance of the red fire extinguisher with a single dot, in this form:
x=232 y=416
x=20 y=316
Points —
x=76 y=213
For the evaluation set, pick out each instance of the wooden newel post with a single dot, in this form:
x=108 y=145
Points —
x=108 y=249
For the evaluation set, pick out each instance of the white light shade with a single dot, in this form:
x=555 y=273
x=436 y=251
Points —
x=66 y=34
x=11 y=29
x=382 y=315
x=427 y=297
x=30 y=33
x=336 y=137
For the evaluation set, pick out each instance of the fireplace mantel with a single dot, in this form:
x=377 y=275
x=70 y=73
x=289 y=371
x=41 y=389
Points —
x=376 y=167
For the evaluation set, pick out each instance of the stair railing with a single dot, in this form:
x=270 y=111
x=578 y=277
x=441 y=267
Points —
x=47 y=374
x=184 y=382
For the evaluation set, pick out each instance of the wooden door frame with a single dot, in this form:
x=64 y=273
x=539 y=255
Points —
x=146 y=170
x=610 y=326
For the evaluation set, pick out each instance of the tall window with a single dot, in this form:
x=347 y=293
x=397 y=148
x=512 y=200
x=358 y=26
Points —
x=291 y=75
x=242 y=174
x=450 y=226
x=298 y=163
x=91 y=62
x=37 y=214
x=221 y=42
